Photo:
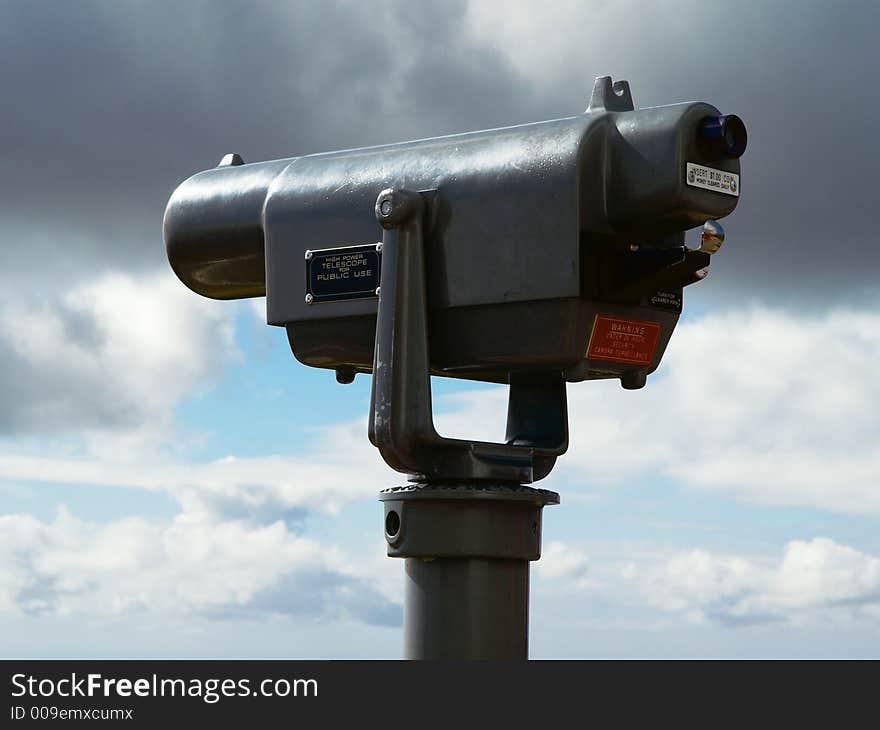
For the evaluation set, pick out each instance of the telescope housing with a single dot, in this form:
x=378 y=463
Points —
x=539 y=239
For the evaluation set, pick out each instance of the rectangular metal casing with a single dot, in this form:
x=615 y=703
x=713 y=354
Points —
x=515 y=218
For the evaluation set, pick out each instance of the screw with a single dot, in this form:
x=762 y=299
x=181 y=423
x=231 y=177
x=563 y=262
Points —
x=386 y=206
x=379 y=247
x=378 y=290
x=308 y=255
x=309 y=299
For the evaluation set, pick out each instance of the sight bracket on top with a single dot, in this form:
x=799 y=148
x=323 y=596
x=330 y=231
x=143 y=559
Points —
x=610 y=96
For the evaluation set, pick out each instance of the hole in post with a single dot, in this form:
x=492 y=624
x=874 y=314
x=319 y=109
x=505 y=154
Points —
x=392 y=523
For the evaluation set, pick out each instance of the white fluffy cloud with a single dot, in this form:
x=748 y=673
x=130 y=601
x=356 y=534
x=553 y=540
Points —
x=340 y=466
x=771 y=407
x=561 y=561
x=116 y=351
x=765 y=405
x=107 y=362
x=813 y=581
x=187 y=565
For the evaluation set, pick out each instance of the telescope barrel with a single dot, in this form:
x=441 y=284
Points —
x=533 y=234
x=214 y=229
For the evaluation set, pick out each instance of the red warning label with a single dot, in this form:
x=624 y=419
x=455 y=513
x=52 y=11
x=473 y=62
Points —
x=623 y=340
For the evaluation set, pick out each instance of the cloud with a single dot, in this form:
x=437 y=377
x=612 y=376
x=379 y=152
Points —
x=759 y=403
x=814 y=581
x=338 y=467
x=563 y=562
x=803 y=232
x=189 y=565
x=115 y=351
x=749 y=402
x=90 y=381
x=115 y=104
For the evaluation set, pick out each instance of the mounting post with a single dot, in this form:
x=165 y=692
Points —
x=467 y=548
x=467 y=527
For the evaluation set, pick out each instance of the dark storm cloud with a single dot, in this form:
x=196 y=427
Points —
x=802 y=75
x=108 y=105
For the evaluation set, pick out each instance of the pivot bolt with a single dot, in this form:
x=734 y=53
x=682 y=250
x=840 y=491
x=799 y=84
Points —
x=396 y=207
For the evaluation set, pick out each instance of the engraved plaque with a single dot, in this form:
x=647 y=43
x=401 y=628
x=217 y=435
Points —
x=340 y=274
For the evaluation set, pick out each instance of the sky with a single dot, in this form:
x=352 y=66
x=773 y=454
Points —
x=173 y=483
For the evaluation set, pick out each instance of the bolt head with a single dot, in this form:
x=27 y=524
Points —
x=378 y=290
x=394 y=207
x=379 y=247
x=309 y=299
x=308 y=255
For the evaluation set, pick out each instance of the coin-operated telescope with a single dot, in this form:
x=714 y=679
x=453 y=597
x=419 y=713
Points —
x=534 y=255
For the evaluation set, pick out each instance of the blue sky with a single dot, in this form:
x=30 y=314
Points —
x=174 y=483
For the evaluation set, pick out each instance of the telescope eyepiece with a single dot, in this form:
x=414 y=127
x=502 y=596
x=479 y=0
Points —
x=726 y=134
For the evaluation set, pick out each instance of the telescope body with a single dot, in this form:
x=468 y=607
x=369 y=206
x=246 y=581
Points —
x=539 y=239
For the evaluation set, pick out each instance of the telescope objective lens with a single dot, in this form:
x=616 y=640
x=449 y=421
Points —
x=725 y=134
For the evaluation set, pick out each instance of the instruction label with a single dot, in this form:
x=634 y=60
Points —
x=668 y=299
x=709 y=178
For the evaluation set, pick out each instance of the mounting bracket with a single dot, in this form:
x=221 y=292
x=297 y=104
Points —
x=401 y=418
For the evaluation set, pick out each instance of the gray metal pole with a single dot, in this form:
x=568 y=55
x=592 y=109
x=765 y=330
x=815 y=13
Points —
x=467 y=547
x=466 y=608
